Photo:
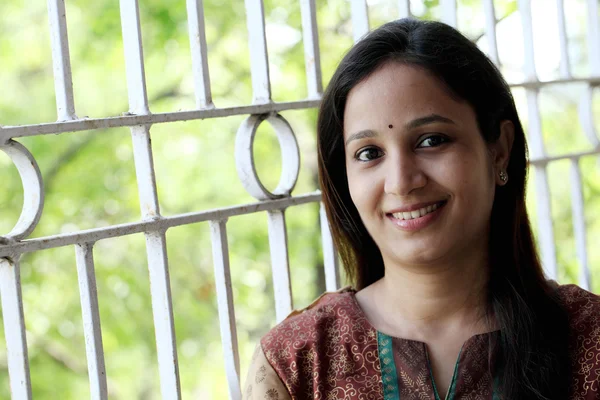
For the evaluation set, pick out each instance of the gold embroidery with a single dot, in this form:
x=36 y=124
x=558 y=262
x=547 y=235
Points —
x=328 y=351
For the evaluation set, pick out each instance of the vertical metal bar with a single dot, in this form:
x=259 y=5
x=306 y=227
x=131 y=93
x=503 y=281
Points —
x=579 y=224
x=546 y=234
x=158 y=266
x=360 y=19
x=330 y=258
x=14 y=329
x=61 y=60
x=220 y=249
x=195 y=11
x=404 y=9
x=156 y=247
x=259 y=57
x=565 y=72
x=593 y=37
x=134 y=57
x=526 y=22
x=490 y=30
x=312 y=54
x=144 y=166
x=449 y=15
x=280 y=264
x=91 y=321
x=162 y=307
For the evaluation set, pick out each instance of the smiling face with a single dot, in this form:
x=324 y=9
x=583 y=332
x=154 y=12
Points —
x=419 y=172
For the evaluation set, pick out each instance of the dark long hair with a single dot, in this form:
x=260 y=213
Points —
x=531 y=353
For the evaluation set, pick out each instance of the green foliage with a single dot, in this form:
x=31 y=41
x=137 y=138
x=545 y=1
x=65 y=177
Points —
x=90 y=182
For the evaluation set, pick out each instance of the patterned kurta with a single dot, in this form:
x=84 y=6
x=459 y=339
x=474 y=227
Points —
x=330 y=351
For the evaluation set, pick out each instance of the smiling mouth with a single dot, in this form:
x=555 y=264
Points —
x=408 y=215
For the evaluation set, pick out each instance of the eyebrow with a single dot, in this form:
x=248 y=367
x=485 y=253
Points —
x=415 y=123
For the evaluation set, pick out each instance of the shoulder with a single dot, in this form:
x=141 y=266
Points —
x=323 y=345
x=583 y=307
x=306 y=322
x=583 y=310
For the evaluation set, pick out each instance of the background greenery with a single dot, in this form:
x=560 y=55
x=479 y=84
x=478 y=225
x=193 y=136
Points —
x=90 y=177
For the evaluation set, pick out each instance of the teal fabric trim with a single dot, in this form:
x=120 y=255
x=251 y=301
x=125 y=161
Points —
x=388 y=367
x=496 y=389
x=452 y=387
x=454 y=376
x=435 y=391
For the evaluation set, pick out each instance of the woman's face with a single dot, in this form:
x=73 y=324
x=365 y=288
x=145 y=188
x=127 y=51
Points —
x=419 y=172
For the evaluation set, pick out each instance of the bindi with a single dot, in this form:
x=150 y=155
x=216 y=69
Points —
x=390 y=126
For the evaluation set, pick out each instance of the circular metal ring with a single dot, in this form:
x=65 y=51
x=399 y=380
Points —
x=244 y=157
x=33 y=189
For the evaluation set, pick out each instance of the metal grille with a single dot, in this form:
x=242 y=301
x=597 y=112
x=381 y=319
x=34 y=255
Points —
x=154 y=226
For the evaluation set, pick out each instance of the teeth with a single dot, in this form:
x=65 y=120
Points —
x=416 y=213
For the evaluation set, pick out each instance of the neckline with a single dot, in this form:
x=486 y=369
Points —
x=352 y=292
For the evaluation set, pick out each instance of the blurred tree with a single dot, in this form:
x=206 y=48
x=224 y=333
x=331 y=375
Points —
x=90 y=182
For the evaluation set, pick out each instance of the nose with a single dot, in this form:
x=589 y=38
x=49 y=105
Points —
x=403 y=175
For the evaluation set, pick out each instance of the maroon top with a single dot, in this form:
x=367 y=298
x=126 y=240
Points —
x=331 y=351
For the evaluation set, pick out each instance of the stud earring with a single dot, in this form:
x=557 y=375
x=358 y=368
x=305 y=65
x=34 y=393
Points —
x=503 y=176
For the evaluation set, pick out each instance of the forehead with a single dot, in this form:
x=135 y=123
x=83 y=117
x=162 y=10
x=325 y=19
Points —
x=398 y=93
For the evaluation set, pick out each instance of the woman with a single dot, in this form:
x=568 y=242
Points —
x=423 y=163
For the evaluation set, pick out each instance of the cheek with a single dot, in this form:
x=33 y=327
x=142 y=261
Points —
x=361 y=192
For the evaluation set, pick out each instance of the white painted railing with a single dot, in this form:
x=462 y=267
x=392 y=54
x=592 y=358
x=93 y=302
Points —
x=154 y=226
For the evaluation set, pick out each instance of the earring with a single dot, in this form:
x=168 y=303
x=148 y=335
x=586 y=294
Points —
x=503 y=176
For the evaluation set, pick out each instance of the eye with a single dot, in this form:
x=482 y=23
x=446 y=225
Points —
x=368 y=154
x=433 y=141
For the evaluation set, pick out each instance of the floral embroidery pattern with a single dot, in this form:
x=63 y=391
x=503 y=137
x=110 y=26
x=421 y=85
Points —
x=330 y=351
x=272 y=394
x=584 y=311
x=326 y=352
x=261 y=374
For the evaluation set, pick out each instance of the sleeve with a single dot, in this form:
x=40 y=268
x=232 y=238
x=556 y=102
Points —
x=262 y=381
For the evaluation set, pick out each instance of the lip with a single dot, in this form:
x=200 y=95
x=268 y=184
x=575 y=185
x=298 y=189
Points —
x=414 y=207
x=416 y=224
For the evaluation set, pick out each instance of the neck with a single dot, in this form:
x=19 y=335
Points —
x=437 y=298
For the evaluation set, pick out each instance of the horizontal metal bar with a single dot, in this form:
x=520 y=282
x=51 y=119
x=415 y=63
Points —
x=159 y=224
x=572 y=156
x=8 y=132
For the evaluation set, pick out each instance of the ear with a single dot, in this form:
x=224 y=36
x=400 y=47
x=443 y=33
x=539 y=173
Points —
x=501 y=149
